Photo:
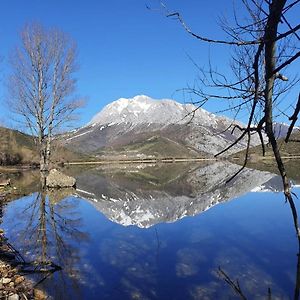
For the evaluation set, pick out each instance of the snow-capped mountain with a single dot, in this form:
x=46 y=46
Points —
x=145 y=110
x=281 y=129
x=179 y=129
x=129 y=200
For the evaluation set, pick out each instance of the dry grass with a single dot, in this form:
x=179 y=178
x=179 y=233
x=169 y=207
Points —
x=15 y=142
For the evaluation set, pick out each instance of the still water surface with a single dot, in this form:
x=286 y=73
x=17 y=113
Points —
x=160 y=233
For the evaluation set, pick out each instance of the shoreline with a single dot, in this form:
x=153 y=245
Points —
x=17 y=168
x=262 y=158
x=141 y=161
x=26 y=167
x=13 y=285
x=20 y=168
x=173 y=160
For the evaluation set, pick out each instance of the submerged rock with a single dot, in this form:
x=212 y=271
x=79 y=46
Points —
x=57 y=179
x=39 y=295
x=56 y=195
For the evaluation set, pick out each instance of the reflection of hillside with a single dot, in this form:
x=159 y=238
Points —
x=22 y=184
x=165 y=177
x=135 y=198
x=292 y=167
x=170 y=178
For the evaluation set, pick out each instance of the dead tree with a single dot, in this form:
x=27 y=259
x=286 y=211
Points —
x=42 y=83
x=264 y=45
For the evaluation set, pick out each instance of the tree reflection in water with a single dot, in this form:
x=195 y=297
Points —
x=177 y=260
x=51 y=231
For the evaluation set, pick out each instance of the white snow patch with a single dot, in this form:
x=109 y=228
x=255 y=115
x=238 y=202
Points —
x=76 y=136
x=85 y=192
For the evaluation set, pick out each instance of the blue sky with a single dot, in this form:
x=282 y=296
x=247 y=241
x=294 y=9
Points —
x=124 y=48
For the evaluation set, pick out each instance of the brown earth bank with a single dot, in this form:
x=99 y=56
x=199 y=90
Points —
x=13 y=285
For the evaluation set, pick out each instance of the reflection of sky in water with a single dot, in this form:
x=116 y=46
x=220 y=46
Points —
x=251 y=238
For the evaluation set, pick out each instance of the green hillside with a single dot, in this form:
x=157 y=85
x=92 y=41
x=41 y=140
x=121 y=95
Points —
x=290 y=152
x=292 y=148
x=156 y=146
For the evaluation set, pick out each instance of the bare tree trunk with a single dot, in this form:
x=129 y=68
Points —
x=275 y=13
x=43 y=229
x=276 y=8
x=42 y=84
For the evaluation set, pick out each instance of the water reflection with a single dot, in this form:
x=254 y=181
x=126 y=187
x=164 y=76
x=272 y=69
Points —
x=167 y=253
x=123 y=199
x=47 y=229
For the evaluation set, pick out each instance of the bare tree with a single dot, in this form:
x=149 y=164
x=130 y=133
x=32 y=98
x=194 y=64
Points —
x=42 y=84
x=264 y=44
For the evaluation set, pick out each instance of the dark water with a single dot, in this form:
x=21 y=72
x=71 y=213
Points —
x=160 y=233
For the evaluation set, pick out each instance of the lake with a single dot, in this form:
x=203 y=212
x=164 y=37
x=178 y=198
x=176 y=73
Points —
x=174 y=231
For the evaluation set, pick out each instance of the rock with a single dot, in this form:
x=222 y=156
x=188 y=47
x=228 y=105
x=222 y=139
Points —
x=13 y=297
x=19 y=279
x=56 y=195
x=5 y=182
x=5 y=280
x=57 y=179
x=2 y=264
x=39 y=295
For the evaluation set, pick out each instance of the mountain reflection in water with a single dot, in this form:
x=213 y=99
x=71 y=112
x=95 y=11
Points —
x=122 y=198
x=167 y=254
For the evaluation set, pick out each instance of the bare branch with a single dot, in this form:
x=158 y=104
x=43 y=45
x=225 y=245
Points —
x=294 y=119
x=205 y=39
x=42 y=83
x=287 y=62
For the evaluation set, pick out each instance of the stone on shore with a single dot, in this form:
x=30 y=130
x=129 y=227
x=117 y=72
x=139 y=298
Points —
x=5 y=280
x=13 y=297
x=57 y=179
x=5 y=182
x=39 y=295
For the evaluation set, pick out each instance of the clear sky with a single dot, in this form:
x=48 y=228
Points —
x=124 y=48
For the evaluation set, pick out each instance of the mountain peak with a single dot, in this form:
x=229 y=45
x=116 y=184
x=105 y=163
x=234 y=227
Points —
x=137 y=120
x=142 y=109
x=141 y=102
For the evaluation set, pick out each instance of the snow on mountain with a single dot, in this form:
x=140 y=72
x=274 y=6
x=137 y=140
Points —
x=139 y=119
x=126 y=202
x=145 y=110
x=281 y=129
